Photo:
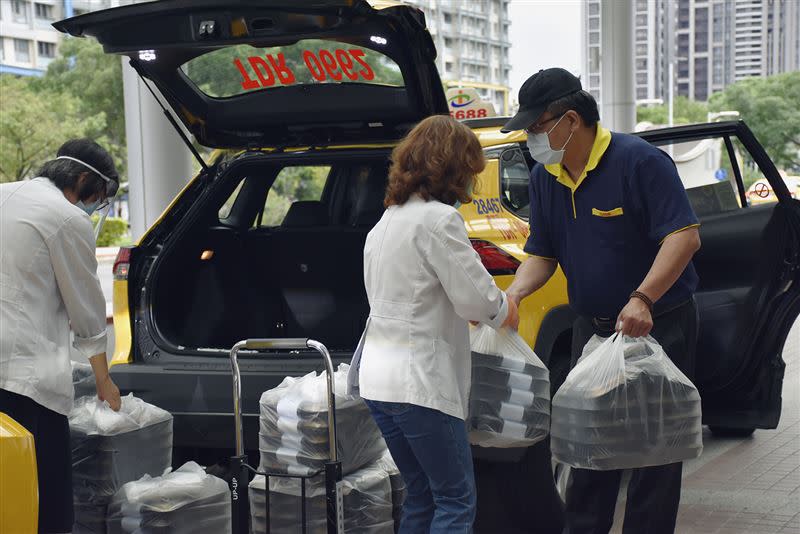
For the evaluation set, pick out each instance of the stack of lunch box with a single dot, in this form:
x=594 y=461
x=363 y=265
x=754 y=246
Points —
x=185 y=501
x=110 y=449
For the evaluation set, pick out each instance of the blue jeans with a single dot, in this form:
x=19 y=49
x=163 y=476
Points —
x=432 y=452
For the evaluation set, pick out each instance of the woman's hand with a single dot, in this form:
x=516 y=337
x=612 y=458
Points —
x=108 y=391
x=512 y=319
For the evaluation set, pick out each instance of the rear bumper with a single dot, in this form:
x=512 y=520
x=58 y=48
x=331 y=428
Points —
x=199 y=394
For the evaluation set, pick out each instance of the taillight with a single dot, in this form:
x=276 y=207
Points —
x=496 y=260
x=122 y=263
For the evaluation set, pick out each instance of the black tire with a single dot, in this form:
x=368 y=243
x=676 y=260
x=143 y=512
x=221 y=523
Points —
x=728 y=432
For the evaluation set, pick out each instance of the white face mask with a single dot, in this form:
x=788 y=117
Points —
x=539 y=146
x=90 y=208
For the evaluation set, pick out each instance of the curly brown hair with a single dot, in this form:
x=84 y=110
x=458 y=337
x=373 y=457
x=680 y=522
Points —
x=439 y=159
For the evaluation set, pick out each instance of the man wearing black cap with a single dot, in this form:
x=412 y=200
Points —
x=611 y=210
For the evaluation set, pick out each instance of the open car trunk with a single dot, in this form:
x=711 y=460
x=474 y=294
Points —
x=273 y=266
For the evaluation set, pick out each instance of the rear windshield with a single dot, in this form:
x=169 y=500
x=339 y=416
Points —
x=242 y=69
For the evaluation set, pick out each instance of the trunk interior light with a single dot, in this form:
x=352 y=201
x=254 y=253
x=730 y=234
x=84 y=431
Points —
x=207 y=255
x=147 y=55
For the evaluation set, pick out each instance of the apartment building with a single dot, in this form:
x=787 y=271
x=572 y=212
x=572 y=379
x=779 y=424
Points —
x=472 y=38
x=28 y=41
x=710 y=44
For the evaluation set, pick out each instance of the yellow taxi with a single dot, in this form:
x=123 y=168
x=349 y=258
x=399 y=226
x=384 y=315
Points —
x=305 y=100
x=761 y=191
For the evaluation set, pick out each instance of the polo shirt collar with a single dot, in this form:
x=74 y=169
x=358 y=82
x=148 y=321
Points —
x=601 y=141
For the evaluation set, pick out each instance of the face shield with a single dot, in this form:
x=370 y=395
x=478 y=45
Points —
x=103 y=206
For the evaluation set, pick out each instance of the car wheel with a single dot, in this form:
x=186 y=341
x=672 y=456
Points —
x=728 y=432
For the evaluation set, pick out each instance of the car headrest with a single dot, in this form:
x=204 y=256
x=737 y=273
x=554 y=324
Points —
x=305 y=213
x=369 y=205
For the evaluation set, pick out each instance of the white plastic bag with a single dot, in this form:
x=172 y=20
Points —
x=625 y=405
x=112 y=448
x=367 y=504
x=510 y=392
x=293 y=435
x=83 y=380
x=186 y=501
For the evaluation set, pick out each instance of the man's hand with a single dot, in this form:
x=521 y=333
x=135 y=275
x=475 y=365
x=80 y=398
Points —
x=108 y=391
x=635 y=319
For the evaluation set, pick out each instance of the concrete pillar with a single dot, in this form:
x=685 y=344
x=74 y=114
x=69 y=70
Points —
x=618 y=110
x=159 y=163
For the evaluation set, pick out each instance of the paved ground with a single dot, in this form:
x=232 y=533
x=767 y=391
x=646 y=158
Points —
x=751 y=485
x=737 y=486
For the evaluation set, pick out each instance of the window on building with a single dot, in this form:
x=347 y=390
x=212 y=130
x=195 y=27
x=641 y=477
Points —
x=701 y=79
x=641 y=64
x=641 y=5
x=719 y=67
x=683 y=15
x=641 y=35
x=20 y=10
x=641 y=78
x=594 y=8
x=44 y=11
x=46 y=50
x=22 y=51
x=641 y=20
x=594 y=38
x=594 y=59
x=448 y=67
x=594 y=80
x=701 y=30
x=641 y=49
x=594 y=23
x=2 y=49
x=641 y=93
x=448 y=18
x=448 y=42
x=683 y=89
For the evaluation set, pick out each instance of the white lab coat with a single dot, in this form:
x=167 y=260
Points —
x=48 y=280
x=424 y=282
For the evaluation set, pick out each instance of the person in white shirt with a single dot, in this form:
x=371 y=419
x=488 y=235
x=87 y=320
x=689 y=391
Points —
x=424 y=282
x=48 y=283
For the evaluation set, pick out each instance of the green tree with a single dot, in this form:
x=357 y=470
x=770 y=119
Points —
x=770 y=107
x=684 y=111
x=34 y=123
x=84 y=72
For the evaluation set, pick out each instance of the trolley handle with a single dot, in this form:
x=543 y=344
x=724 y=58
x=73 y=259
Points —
x=282 y=344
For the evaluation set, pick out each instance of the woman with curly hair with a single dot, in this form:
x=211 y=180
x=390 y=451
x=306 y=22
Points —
x=424 y=283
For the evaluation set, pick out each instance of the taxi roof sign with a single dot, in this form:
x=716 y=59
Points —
x=466 y=103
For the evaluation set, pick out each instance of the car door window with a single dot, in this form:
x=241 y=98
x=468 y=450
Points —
x=706 y=171
x=514 y=176
x=292 y=184
x=225 y=210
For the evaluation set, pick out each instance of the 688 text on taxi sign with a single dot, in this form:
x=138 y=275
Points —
x=334 y=65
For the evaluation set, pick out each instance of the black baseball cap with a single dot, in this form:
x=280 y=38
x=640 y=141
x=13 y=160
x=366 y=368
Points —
x=538 y=92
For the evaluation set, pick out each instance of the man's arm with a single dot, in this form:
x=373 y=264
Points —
x=531 y=275
x=676 y=252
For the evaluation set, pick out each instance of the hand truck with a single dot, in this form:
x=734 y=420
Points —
x=240 y=509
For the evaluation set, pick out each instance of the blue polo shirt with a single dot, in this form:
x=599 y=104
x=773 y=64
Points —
x=606 y=228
